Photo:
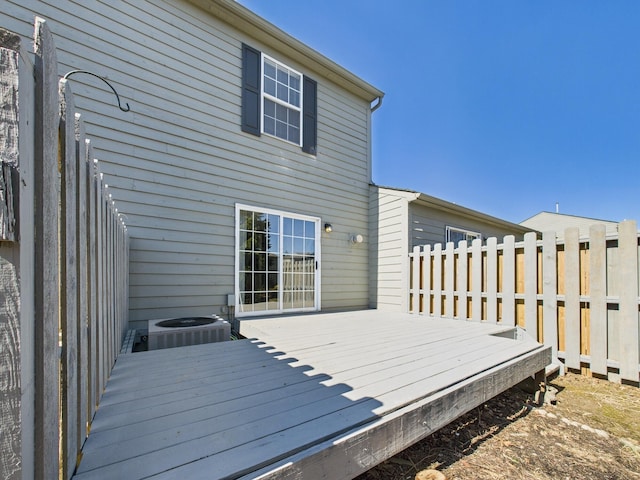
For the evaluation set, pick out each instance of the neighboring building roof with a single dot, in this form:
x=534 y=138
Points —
x=558 y=222
x=440 y=204
x=245 y=20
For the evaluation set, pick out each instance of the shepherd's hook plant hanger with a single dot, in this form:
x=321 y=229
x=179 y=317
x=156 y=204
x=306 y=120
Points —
x=73 y=72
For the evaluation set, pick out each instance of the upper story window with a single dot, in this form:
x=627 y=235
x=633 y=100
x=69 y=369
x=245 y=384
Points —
x=456 y=235
x=278 y=101
x=282 y=95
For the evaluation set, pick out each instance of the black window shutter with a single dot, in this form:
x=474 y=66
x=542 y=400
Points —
x=310 y=120
x=251 y=71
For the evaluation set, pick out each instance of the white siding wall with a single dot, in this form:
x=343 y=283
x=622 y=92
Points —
x=389 y=284
x=178 y=162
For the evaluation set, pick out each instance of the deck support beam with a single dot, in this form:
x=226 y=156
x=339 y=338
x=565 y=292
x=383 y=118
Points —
x=366 y=446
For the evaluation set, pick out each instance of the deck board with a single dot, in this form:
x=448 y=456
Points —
x=297 y=383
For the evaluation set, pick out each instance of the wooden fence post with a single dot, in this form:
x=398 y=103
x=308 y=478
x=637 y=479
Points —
x=628 y=248
x=550 y=293
x=46 y=255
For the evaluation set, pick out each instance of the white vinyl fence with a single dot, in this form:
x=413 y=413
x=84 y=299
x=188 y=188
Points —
x=578 y=295
x=63 y=268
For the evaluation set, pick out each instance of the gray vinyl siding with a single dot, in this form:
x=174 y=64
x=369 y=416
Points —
x=178 y=162
x=389 y=284
x=428 y=226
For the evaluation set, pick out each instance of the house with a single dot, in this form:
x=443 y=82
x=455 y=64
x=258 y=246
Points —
x=402 y=219
x=241 y=144
x=558 y=222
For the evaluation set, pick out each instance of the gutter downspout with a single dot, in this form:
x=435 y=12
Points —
x=377 y=105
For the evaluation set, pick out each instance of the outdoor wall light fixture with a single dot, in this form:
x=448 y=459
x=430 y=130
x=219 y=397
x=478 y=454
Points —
x=357 y=239
x=328 y=228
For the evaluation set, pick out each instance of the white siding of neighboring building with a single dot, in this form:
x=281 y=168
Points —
x=558 y=222
x=178 y=162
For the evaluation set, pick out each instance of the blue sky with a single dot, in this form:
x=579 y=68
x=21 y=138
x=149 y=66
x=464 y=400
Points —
x=503 y=106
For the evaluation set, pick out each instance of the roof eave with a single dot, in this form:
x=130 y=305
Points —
x=440 y=204
x=243 y=19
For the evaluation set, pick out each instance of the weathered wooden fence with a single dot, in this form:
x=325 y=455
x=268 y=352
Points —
x=578 y=295
x=63 y=268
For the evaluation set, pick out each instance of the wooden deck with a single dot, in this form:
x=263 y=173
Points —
x=314 y=396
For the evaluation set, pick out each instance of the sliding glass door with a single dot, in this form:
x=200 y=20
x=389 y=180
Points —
x=277 y=261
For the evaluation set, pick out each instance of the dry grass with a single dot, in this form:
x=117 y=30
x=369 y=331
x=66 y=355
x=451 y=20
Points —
x=592 y=431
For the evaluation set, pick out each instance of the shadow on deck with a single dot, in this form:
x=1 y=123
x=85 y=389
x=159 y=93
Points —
x=321 y=396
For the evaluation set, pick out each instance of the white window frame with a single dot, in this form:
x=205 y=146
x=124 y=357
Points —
x=317 y=254
x=264 y=95
x=468 y=233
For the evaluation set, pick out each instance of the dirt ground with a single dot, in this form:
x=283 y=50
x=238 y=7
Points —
x=591 y=431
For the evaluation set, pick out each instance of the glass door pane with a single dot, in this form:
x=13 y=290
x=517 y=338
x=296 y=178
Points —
x=277 y=262
x=258 y=261
x=298 y=263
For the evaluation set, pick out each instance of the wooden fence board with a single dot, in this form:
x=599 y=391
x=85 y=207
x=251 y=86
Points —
x=628 y=249
x=93 y=390
x=53 y=332
x=598 y=300
x=69 y=282
x=462 y=282
x=571 y=276
x=11 y=406
x=578 y=295
x=492 y=280
x=415 y=280
x=100 y=287
x=437 y=280
x=509 y=281
x=426 y=277
x=82 y=274
x=449 y=279
x=46 y=254
x=476 y=279
x=530 y=284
